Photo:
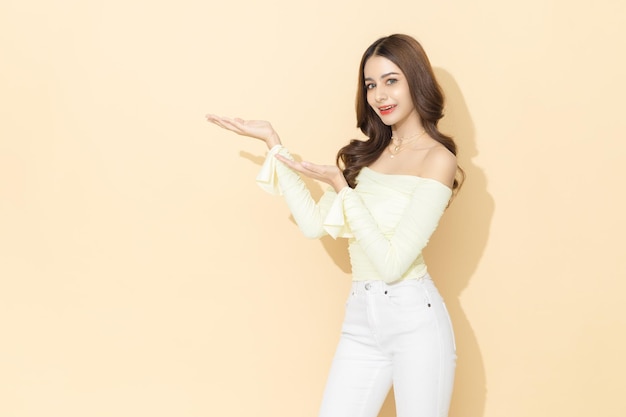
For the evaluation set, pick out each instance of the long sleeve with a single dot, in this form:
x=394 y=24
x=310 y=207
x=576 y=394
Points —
x=392 y=253
x=388 y=218
x=278 y=179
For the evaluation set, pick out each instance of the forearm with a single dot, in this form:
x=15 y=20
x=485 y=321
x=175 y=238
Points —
x=277 y=178
x=392 y=254
x=302 y=206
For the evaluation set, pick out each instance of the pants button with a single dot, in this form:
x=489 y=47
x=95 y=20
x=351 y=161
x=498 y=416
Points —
x=368 y=286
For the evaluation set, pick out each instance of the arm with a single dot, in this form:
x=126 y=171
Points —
x=256 y=129
x=393 y=255
x=277 y=178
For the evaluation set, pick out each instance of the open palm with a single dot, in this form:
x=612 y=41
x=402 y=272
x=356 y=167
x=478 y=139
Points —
x=258 y=129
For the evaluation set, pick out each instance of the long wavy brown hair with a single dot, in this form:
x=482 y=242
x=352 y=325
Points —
x=428 y=99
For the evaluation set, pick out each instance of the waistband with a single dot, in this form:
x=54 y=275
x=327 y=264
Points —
x=381 y=287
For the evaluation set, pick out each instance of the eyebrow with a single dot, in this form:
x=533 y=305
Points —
x=382 y=77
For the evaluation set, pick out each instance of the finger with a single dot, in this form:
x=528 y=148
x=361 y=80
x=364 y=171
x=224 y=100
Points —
x=309 y=172
x=282 y=158
x=222 y=124
x=215 y=117
x=212 y=118
x=309 y=166
x=227 y=126
x=306 y=168
x=217 y=120
x=223 y=119
x=228 y=122
x=231 y=125
x=289 y=162
x=296 y=166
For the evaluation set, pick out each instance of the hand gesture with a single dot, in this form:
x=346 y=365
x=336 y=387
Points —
x=330 y=174
x=258 y=129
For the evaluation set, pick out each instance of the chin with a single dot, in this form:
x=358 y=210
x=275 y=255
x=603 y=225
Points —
x=387 y=121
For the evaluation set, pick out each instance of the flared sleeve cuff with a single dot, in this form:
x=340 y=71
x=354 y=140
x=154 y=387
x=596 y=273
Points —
x=335 y=221
x=267 y=178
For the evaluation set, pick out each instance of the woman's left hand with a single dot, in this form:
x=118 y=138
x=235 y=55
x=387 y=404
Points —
x=330 y=174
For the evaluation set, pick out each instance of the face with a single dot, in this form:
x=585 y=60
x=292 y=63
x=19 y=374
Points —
x=388 y=92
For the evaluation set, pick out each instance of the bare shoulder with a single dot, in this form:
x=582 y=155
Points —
x=439 y=164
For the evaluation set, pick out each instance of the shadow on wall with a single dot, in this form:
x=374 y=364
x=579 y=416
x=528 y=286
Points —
x=454 y=252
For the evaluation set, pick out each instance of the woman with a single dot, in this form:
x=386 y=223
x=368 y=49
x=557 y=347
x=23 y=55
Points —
x=387 y=200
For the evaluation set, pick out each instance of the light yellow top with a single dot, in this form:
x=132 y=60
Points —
x=388 y=218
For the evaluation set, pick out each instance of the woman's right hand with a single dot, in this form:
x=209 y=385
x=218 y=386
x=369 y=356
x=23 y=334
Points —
x=258 y=129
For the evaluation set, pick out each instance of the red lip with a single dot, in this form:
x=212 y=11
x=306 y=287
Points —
x=386 y=109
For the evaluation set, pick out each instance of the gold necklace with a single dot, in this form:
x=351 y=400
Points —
x=395 y=149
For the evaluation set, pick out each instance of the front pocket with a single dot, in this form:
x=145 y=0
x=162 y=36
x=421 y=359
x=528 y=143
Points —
x=407 y=298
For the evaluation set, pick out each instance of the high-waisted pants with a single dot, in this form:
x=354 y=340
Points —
x=393 y=334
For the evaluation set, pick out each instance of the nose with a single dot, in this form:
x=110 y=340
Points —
x=380 y=95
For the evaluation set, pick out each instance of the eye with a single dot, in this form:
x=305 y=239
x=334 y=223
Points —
x=370 y=86
x=391 y=81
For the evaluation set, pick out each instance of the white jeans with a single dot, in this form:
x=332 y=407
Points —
x=393 y=334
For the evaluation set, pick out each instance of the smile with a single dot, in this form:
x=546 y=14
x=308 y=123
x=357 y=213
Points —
x=386 y=109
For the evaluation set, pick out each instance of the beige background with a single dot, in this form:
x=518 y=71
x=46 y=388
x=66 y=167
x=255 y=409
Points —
x=144 y=273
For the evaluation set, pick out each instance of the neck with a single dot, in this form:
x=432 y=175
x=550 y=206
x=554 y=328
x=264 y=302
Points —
x=408 y=138
x=406 y=132
x=407 y=126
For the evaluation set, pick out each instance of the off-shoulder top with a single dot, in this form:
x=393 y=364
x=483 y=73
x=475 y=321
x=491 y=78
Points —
x=387 y=218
